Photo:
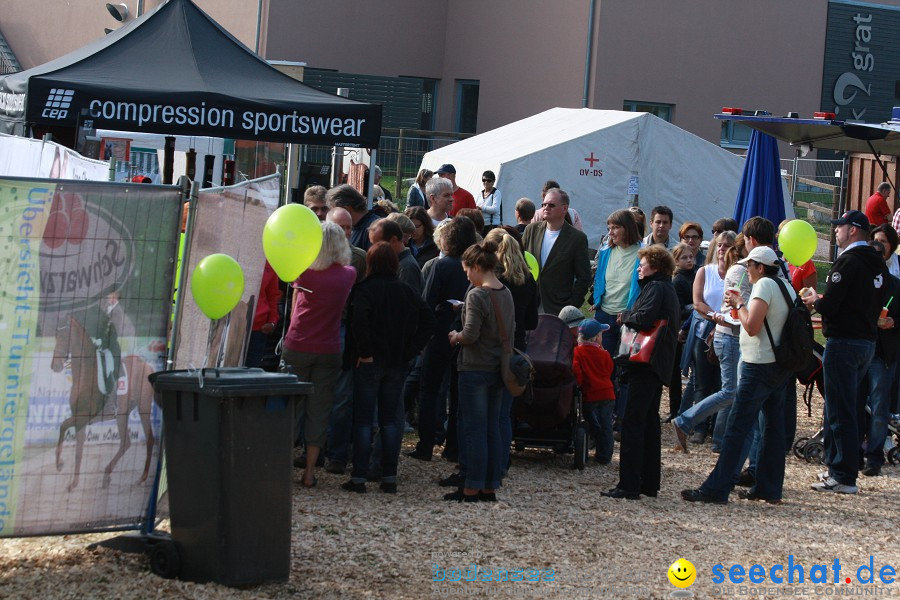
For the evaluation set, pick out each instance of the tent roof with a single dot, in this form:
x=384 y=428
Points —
x=843 y=136
x=544 y=130
x=175 y=70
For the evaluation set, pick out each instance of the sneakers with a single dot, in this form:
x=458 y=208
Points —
x=833 y=485
x=681 y=437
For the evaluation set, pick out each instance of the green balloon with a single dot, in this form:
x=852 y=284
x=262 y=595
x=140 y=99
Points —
x=798 y=242
x=292 y=239
x=532 y=264
x=217 y=285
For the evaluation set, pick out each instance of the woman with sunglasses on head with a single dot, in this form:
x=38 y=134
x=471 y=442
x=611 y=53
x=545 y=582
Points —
x=489 y=202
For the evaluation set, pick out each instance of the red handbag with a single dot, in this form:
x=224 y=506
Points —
x=637 y=346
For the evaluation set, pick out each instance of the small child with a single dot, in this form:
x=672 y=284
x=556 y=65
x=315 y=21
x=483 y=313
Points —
x=593 y=368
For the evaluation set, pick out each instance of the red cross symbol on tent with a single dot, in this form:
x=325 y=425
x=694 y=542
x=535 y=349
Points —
x=591 y=159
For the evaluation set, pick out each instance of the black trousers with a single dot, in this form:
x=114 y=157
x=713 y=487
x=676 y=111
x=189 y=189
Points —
x=640 y=452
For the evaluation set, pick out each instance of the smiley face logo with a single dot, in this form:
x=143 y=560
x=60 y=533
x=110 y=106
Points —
x=682 y=573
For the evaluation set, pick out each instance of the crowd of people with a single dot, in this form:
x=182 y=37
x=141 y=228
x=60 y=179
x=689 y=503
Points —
x=402 y=318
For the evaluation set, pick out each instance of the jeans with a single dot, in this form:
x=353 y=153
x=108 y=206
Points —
x=432 y=401
x=506 y=430
x=256 y=349
x=759 y=388
x=377 y=390
x=599 y=417
x=340 y=422
x=880 y=377
x=845 y=362
x=728 y=349
x=610 y=341
x=480 y=401
x=640 y=453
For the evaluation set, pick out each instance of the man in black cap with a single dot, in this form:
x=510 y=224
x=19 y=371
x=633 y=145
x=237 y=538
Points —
x=850 y=308
x=461 y=198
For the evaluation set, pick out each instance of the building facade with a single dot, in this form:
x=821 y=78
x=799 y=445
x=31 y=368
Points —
x=484 y=63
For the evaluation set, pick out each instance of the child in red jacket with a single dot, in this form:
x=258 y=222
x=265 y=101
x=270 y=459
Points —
x=593 y=368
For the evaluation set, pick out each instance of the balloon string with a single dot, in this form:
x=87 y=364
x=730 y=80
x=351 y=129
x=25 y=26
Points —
x=209 y=340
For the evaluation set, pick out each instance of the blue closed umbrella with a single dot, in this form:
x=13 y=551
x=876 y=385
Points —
x=760 y=194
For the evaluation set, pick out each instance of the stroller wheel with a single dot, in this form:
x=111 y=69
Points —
x=799 y=445
x=581 y=447
x=894 y=455
x=814 y=452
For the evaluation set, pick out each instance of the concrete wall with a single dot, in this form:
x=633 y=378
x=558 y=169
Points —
x=41 y=31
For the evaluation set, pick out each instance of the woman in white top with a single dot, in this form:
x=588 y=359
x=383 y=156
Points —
x=709 y=289
x=760 y=388
x=489 y=201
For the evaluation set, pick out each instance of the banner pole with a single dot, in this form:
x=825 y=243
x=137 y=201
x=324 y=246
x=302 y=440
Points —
x=185 y=261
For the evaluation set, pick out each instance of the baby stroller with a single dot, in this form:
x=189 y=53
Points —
x=812 y=449
x=550 y=415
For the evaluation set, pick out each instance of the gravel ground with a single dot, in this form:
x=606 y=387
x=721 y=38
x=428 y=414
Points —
x=550 y=518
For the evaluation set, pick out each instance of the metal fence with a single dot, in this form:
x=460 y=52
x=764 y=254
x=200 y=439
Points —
x=817 y=187
x=399 y=154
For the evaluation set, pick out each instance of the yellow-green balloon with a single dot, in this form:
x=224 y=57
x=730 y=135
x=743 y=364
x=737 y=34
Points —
x=532 y=264
x=217 y=285
x=798 y=242
x=292 y=239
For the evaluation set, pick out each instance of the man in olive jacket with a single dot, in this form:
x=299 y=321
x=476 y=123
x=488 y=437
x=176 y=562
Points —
x=562 y=253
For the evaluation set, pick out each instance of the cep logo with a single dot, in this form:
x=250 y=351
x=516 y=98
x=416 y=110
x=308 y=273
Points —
x=58 y=103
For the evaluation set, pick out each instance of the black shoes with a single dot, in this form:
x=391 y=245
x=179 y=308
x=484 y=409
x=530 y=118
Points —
x=487 y=497
x=416 y=454
x=746 y=479
x=388 y=488
x=459 y=496
x=698 y=496
x=454 y=480
x=748 y=495
x=359 y=488
x=620 y=493
x=872 y=471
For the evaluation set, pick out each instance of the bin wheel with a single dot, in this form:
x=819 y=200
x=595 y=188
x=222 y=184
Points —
x=814 y=452
x=894 y=455
x=799 y=445
x=165 y=560
x=581 y=447
x=520 y=447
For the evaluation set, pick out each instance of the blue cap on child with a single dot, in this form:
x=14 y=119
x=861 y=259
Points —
x=589 y=328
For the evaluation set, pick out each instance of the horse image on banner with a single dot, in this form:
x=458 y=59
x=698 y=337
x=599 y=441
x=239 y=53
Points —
x=86 y=278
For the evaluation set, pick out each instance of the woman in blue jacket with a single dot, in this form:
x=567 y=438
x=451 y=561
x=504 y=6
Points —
x=616 y=283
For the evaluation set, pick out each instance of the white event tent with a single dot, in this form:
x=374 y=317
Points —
x=601 y=158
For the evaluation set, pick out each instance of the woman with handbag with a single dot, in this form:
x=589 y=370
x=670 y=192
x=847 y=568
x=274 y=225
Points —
x=487 y=319
x=656 y=310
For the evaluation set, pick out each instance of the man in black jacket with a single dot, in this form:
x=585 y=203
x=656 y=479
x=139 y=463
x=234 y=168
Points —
x=849 y=307
x=875 y=390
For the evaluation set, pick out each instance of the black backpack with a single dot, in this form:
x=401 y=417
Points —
x=795 y=352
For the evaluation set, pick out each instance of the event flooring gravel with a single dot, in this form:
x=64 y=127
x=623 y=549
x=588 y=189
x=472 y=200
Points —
x=550 y=518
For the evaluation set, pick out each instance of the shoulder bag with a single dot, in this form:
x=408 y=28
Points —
x=516 y=368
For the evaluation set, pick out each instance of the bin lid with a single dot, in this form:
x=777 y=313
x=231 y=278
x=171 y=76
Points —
x=230 y=382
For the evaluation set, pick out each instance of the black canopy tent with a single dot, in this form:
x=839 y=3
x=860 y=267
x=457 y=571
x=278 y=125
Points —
x=177 y=71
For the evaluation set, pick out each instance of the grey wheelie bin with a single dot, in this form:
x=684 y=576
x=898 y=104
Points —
x=229 y=446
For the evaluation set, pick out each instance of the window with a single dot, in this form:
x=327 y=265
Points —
x=663 y=111
x=466 y=105
x=735 y=135
x=429 y=100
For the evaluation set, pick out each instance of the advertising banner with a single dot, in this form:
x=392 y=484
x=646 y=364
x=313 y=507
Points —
x=86 y=277
x=25 y=157
x=229 y=221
